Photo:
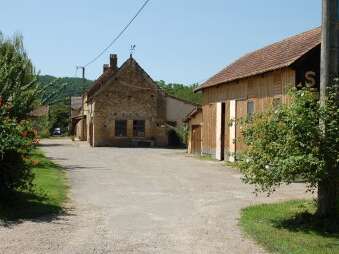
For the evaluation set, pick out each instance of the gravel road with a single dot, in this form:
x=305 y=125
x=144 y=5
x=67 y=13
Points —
x=125 y=200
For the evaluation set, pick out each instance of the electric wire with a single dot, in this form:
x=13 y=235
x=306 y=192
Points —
x=119 y=35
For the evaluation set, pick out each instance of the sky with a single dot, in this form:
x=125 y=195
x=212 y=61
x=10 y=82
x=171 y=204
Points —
x=180 y=41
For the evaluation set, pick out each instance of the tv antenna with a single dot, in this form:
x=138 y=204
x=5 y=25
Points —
x=132 y=50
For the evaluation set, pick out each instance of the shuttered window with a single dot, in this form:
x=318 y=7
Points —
x=120 y=128
x=138 y=128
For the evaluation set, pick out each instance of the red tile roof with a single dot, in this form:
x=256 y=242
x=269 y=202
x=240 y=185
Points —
x=278 y=55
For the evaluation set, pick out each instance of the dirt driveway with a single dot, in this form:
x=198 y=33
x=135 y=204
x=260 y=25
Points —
x=141 y=201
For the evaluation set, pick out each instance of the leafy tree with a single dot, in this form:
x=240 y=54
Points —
x=287 y=143
x=18 y=92
x=185 y=92
x=57 y=89
x=19 y=88
x=59 y=115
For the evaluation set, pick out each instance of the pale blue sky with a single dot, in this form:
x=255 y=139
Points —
x=176 y=40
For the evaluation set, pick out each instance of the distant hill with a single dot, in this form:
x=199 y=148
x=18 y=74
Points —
x=61 y=88
x=64 y=87
x=185 y=92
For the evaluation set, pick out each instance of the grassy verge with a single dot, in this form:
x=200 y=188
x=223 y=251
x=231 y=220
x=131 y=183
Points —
x=47 y=196
x=290 y=227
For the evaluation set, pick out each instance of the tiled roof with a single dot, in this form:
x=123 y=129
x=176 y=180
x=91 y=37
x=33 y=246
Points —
x=278 y=55
x=104 y=77
x=190 y=115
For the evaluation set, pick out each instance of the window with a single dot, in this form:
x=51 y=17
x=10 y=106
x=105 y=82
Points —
x=120 y=128
x=250 y=108
x=138 y=128
x=276 y=102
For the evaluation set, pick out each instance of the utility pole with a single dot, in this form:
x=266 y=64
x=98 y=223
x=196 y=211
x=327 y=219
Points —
x=328 y=72
x=82 y=71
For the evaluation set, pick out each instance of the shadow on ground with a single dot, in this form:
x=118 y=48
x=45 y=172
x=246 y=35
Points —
x=310 y=224
x=27 y=206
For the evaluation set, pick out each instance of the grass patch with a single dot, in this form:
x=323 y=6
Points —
x=291 y=227
x=46 y=198
x=234 y=165
x=206 y=157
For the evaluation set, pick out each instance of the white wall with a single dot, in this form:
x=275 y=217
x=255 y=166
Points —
x=177 y=110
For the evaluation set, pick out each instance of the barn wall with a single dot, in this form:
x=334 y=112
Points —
x=261 y=89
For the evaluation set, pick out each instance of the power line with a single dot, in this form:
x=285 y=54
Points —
x=119 y=35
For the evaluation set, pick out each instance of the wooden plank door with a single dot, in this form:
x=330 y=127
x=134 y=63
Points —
x=196 y=139
x=241 y=112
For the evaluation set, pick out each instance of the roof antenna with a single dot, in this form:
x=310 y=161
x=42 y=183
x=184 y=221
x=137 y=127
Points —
x=132 y=50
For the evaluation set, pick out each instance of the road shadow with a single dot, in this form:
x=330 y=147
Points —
x=22 y=206
x=51 y=145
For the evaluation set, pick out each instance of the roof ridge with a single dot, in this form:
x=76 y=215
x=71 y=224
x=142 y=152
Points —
x=237 y=69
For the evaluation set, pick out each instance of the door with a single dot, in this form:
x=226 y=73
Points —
x=91 y=133
x=196 y=139
x=241 y=113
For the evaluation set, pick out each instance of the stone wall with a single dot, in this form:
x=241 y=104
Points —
x=130 y=95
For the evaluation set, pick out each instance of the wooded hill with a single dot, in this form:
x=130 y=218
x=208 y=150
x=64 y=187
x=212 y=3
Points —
x=69 y=86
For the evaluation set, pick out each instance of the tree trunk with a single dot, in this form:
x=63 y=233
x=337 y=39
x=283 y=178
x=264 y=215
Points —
x=327 y=194
x=327 y=189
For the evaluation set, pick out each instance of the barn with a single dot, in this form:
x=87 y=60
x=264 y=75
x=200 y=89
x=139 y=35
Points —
x=254 y=83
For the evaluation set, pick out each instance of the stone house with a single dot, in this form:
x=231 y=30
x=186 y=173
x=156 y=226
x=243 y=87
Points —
x=253 y=83
x=125 y=107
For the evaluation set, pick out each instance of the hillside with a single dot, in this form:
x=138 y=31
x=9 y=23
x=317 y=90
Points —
x=63 y=87
x=66 y=87
x=185 y=92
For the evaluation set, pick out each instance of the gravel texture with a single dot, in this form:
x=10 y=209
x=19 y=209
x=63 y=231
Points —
x=126 y=200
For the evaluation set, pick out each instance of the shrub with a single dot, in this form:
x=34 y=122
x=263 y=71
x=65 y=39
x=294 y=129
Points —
x=16 y=142
x=288 y=143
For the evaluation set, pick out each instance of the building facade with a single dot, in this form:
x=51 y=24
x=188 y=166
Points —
x=254 y=83
x=125 y=107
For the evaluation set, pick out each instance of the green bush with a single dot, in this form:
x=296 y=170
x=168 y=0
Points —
x=16 y=142
x=288 y=143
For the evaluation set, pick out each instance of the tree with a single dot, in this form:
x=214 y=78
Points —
x=287 y=143
x=19 y=87
x=185 y=92
x=18 y=93
x=328 y=71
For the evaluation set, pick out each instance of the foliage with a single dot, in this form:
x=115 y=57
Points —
x=47 y=196
x=185 y=92
x=57 y=93
x=59 y=116
x=287 y=143
x=16 y=142
x=57 y=89
x=290 y=227
x=18 y=91
x=19 y=88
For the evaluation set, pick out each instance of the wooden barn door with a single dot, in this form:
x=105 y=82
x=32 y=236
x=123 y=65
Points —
x=196 y=139
x=241 y=112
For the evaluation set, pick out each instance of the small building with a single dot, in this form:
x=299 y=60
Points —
x=254 y=83
x=194 y=127
x=125 y=107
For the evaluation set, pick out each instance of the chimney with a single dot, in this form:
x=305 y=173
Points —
x=105 y=67
x=113 y=61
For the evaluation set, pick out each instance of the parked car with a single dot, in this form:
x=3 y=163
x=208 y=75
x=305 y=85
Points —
x=57 y=132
